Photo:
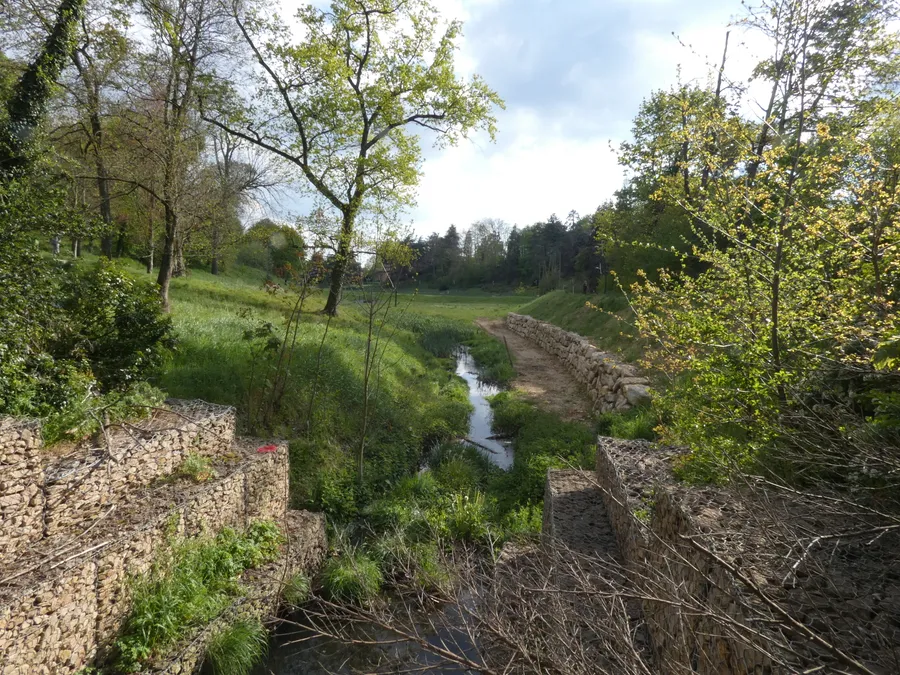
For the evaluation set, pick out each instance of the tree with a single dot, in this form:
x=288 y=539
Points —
x=186 y=37
x=342 y=104
x=26 y=105
x=779 y=330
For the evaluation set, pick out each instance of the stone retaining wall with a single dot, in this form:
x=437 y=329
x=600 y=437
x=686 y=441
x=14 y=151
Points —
x=77 y=487
x=697 y=622
x=66 y=599
x=678 y=542
x=612 y=385
x=21 y=486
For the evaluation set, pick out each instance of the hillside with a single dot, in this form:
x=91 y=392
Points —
x=605 y=319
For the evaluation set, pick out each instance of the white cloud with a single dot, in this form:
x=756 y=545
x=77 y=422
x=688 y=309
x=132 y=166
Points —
x=543 y=172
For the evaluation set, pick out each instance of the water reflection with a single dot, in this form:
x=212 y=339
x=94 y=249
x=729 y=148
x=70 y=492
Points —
x=480 y=420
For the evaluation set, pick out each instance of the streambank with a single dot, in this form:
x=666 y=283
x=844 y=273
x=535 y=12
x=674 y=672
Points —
x=294 y=650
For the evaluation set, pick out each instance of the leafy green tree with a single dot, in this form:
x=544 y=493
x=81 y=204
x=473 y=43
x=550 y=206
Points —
x=772 y=346
x=341 y=104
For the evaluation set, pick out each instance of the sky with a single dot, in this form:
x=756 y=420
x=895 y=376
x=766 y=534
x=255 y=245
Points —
x=573 y=74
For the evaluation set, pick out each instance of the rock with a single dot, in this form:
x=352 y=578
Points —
x=636 y=394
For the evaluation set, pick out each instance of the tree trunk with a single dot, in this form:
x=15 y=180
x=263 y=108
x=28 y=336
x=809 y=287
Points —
x=214 y=267
x=341 y=261
x=151 y=231
x=76 y=247
x=166 y=263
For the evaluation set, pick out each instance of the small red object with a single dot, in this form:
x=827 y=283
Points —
x=267 y=448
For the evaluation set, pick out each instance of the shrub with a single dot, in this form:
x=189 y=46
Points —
x=352 y=577
x=196 y=468
x=238 y=648
x=113 y=324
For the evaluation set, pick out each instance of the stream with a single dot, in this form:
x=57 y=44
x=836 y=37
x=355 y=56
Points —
x=295 y=651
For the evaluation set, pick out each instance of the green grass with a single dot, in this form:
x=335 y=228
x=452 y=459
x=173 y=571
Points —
x=189 y=587
x=609 y=326
x=636 y=423
x=236 y=649
x=352 y=577
x=464 y=306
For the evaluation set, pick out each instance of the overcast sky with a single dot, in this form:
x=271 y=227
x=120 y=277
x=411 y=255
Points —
x=573 y=74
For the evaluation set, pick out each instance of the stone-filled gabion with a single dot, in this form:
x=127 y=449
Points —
x=21 y=483
x=77 y=528
x=612 y=385
x=79 y=486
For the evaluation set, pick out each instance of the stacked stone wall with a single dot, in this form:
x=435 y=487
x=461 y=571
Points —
x=696 y=618
x=78 y=486
x=64 y=600
x=714 y=562
x=612 y=385
x=21 y=486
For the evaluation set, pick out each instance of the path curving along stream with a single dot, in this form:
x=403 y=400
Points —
x=540 y=376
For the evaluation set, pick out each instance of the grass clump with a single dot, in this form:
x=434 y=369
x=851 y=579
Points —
x=238 y=648
x=352 y=577
x=636 y=423
x=196 y=467
x=543 y=441
x=189 y=587
x=492 y=357
x=297 y=590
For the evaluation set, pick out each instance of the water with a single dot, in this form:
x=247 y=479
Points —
x=297 y=651
x=481 y=418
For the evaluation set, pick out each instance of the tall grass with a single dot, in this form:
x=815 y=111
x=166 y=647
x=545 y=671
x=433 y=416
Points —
x=236 y=649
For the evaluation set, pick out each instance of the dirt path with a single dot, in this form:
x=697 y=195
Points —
x=541 y=376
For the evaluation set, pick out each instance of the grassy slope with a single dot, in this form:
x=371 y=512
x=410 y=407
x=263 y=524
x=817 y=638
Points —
x=607 y=326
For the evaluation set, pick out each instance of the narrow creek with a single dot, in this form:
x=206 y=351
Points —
x=295 y=651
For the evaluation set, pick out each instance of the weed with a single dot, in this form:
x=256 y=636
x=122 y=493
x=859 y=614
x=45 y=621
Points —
x=190 y=586
x=296 y=590
x=196 y=467
x=236 y=649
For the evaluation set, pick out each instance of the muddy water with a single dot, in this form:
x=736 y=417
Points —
x=480 y=420
x=295 y=651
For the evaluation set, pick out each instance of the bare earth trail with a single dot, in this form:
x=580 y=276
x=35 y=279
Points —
x=540 y=376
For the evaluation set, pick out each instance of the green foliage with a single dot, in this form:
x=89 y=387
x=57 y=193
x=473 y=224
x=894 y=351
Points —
x=113 y=325
x=542 y=441
x=636 y=423
x=236 y=649
x=770 y=328
x=352 y=577
x=85 y=412
x=31 y=94
x=492 y=357
x=189 y=587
